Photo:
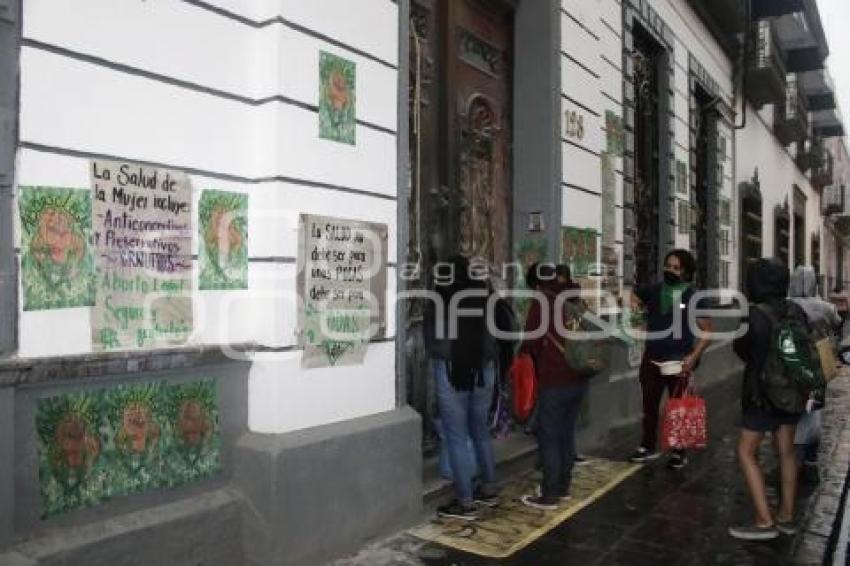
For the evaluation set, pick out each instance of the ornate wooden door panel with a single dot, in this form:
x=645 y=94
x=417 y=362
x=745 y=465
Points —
x=478 y=113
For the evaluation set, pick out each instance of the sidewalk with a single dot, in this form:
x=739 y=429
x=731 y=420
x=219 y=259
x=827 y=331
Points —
x=660 y=516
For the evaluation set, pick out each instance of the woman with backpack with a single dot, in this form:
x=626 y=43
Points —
x=770 y=401
x=561 y=392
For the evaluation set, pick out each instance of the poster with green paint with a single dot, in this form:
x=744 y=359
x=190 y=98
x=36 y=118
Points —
x=337 y=98
x=527 y=251
x=105 y=443
x=614 y=133
x=342 y=286
x=57 y=263
x=223 y=240
x=578 y=250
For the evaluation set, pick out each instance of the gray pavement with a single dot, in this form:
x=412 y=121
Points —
x=661 y=516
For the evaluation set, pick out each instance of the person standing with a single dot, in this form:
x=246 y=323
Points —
x=823 y=316
x=666 y=305
x=560 y=395
x=465 y=383
x=767 y=287
x=564 y=277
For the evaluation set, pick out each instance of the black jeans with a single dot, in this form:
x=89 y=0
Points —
x=559 y=407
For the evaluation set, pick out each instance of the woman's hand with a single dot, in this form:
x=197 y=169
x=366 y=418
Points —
x=689 y=362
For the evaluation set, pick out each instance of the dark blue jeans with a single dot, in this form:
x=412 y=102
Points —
x=558 y=412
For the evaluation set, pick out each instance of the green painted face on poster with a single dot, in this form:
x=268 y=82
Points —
x=337 y=98
x=223 y=240
x=579 y=249
x=57 y=263
x=100 y=444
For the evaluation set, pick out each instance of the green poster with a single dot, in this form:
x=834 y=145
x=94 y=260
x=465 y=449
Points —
x=100 y=444
x=614 y=133
x=578 y=250
x=337 y=98
x=71 y=466
x=223 y=240
x=57 y=264
x=191 y=444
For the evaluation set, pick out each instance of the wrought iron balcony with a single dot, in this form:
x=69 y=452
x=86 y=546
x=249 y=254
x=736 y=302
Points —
x=823 y=173
x=832 y=200
x=766 y=74
x=810 y=152
x=790 y=119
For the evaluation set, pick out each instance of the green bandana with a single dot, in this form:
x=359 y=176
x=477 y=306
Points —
x=670 y=294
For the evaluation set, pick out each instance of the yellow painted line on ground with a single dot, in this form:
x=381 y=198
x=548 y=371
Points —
x=511 y=526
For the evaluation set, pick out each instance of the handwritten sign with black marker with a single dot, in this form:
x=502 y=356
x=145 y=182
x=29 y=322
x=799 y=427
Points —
x=342 y=288
x=142 y=232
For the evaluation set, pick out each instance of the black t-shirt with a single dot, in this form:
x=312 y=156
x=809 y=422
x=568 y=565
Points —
x=676 y=338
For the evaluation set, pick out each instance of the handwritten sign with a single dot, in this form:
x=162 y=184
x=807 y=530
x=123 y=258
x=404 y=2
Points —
x=142 y=238
x=342 y=286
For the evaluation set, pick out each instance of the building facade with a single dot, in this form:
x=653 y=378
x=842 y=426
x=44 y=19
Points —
x=201 y=199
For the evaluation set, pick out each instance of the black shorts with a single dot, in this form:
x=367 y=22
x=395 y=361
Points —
x=763 y=422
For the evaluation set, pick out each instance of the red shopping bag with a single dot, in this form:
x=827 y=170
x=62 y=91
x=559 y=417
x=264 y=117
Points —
x=524 y=386
x=684 y=424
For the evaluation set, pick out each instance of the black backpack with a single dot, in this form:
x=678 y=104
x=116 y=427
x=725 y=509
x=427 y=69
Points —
x=791 y=369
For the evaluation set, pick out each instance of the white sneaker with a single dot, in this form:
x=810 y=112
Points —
x=643 y=455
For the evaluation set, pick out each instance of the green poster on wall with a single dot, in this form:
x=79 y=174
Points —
x=104 y=443
x=614 y=133
x=57 y=264
x=337 y=98
x=578 y=250
x=223 y=240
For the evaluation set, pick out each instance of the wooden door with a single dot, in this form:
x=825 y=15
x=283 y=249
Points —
x=478 y=126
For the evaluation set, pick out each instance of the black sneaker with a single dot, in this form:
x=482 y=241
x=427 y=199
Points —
x=456 y=510
x=678 y=460
x=643 y=455
x=481 y=497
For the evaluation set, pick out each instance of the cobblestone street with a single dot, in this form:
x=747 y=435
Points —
x=660 y=516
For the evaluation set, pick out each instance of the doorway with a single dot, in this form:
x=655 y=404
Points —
x=646 y=59
x=461 y=102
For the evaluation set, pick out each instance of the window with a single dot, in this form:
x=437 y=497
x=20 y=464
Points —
x=682 y=177
x=724 y=242
x=684 y=220
x=725 y=212
x=724 y=274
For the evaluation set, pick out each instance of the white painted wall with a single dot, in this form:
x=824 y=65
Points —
x=757 y=147
x=592 y=83
x=173 y=83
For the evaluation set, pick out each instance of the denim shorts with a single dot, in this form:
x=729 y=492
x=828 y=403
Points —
x=762 y=422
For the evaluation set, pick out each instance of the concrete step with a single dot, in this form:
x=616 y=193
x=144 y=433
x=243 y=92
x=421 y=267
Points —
x=205 y=529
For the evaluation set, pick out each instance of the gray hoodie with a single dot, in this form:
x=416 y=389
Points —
x=803 y=291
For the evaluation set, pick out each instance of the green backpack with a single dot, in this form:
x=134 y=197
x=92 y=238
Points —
x=586 y=358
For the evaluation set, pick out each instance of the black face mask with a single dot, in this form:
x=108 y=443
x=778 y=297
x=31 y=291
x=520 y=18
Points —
x=672 y=278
